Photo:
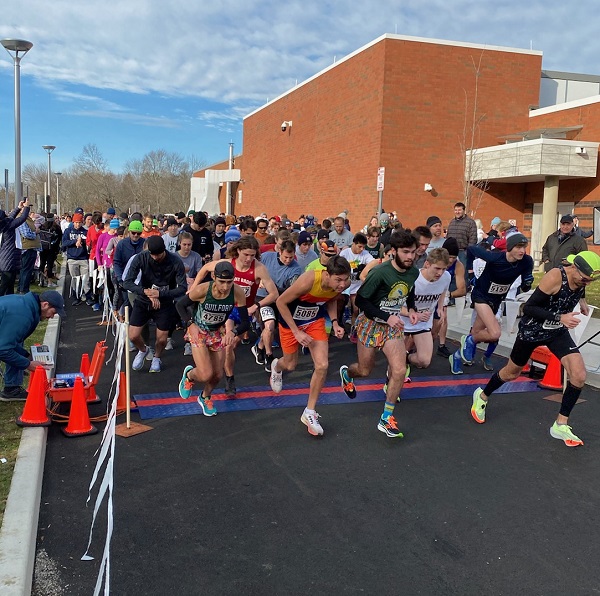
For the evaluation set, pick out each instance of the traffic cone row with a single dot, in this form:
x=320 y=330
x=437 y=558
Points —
x=79 y=418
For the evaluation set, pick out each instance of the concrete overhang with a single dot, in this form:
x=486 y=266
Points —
x=532 y=161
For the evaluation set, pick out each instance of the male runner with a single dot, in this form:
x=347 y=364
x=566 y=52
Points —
x=205 y=310
x=548 y=316
x=302 y=323
x=501 y=270
x=249 y=274
x=381 y=298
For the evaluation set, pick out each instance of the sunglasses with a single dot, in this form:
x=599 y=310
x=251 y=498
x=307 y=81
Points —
x=262 y=227
x=135 y=233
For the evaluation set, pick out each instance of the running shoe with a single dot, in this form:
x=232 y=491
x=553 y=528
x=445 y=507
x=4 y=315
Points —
x=76 y=302
x=467 y=348
x=96 y=307
x=208 y=408
x=138 y=361
x=354 y=335
x=389 y=427
x=170 y=344
x=478 y=407
x=276 y=379
x=187 y=349
x=347 y=383
x=185 y=385
x=407 y=378
x=269 y=362
x=156 y=365
x=150 y=354
x=443 y=351
x=455 y=364
x=311 y=419
x=259 y=355
x=563 y=432
x=487 y=362
x=230 y=389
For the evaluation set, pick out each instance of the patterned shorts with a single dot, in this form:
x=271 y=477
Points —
x=372 y=334
x=213 y=340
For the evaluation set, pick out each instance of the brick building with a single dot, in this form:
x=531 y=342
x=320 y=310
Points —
x=414 y=106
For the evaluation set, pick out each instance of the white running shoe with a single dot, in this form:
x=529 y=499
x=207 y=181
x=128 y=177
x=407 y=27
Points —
x=150 y=354
x=138 y=361
x=276 y=378
x=311 y=419
x=170 y=344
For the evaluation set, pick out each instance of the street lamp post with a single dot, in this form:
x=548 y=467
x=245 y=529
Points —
x=17 y=48
x=49 y=149
x=58 y=175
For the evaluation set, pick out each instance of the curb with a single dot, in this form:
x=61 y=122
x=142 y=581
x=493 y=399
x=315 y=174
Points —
x=18 y=535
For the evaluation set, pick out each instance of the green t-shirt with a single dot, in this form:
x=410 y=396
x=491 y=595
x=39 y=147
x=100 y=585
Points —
x=387 y=288
x=315 y=265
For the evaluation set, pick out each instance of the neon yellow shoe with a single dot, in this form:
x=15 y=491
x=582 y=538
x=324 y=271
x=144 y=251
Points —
x=563 y=432
x=478 y=407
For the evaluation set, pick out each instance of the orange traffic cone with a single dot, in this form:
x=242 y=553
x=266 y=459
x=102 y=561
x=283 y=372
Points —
x=79 y=419
x=34 y=412
x=553 y=375
x=526 y=368
x=85 y=367
x=122 y=397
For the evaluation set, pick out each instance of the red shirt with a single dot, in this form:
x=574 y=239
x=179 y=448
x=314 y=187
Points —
x=247 y=281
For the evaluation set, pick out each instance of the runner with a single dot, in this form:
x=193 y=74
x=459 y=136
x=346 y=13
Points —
x=501 y=270
x=250 y=273
x=205 y=311
x=302 y=323
x=385 y=295
x=548 y=316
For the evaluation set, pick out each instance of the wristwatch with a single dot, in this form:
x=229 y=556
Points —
x=557 y=318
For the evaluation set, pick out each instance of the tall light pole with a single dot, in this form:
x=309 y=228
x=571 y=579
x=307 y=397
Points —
x=17 y=48
x=58 y=175
x=49 y=149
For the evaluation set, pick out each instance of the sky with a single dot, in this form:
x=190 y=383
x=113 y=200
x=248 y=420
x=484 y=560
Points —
x=143 y=75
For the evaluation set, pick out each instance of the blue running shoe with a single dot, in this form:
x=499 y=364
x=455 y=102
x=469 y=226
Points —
x=455 y=364
x=467 y=348
x=185 y=385
x=208 y=408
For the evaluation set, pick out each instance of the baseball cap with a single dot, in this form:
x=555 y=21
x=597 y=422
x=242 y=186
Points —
x=232 y=235
x=111 y=211
x=566 y=219
x=53 y=298
x=136 y=226
x=432 y=220
x=171 y=221
x=514 y=239
x=79 y=210
x=114 y=224
x=322 y=234
x=156 y=245
x=180 y=214
x=224 y=270
x=77 y=217
x=587 y=262
x=304 y=236
x=329 y=248
x=496 y=221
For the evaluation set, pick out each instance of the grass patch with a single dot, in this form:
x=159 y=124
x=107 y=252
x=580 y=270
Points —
x=10 y=433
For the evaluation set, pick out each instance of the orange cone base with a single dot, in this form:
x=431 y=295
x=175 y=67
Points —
x=92 y=397
x=82 y=433
x=21 y=422
x=553 y=377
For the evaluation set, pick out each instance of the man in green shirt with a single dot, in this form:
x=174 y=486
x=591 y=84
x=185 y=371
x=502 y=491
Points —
x=385 y=294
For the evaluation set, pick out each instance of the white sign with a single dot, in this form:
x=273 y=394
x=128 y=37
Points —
x=380 y=178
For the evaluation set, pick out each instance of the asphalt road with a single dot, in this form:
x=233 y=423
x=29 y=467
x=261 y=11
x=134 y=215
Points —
x=250 y=503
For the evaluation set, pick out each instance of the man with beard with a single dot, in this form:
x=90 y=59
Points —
x=548 y=316
x=383 y=297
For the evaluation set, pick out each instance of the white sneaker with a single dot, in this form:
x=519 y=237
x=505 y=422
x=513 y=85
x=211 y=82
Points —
x=155 y=366
x=276 y=378
x=170 y=344
x=187 y=349
x=138 y=361
x=311 y=419
x=132 y=348
x=150 y=354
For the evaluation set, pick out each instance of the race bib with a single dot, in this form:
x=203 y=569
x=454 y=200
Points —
x=305 y=313
x=213 y=318
x=498 y=288
x=247 y=290
x=551 y=325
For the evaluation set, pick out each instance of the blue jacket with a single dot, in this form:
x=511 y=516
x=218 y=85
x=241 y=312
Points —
x=19 y=316
x=10 y=255
x=69 y=240
x=124 y=251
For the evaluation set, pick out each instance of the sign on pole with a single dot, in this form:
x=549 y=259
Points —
x=380 y=178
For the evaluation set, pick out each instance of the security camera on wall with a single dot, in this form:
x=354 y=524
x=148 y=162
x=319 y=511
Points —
x=284 y=126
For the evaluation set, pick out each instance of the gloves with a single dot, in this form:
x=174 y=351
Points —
x=526 y=282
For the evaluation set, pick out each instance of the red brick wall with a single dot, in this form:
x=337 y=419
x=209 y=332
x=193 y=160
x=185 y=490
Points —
x=398 y=104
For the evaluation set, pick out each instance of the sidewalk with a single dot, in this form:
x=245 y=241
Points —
x=590 y=352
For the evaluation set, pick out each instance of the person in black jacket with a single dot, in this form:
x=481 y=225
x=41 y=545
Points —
x=161 y=280
x=50 y=237
x=10 y=255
